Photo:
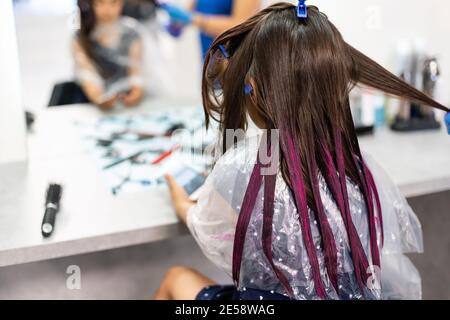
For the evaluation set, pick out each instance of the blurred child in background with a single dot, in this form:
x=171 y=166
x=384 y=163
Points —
x=108 y=54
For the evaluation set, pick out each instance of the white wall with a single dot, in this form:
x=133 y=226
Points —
x=44 y=56
x=12 y=117
x=376 y=26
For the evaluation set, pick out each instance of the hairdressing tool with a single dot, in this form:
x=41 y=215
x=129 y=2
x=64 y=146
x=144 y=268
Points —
x=122 y=160
x=174 y=29
x=104 y=143
x=171 y=131
x=362 y=108
x=447 y=122
x=413 y=116
x=52 y=206
x=123 y=135
x=133 y=158
x=126 y=180
x=165 y=155
x=430 y=77
x=141 y=135
x=302 y=10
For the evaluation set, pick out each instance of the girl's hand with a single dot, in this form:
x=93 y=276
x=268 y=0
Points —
x=175 y=29
x=180 y=198
x=133 y=97
x=178 y=14
x=108 y=104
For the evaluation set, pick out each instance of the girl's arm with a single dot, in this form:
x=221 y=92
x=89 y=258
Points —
x=215 y=25
x=89 y=79
x=135 y=74
x=180 y=199
x=191 y=5
x=211 y=220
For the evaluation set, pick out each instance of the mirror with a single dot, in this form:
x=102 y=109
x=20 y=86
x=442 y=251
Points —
x=12 y=124
x=46 y=32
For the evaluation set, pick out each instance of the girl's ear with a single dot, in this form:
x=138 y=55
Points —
x=253 y=83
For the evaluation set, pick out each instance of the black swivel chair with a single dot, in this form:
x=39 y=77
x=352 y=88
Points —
x=67 y=93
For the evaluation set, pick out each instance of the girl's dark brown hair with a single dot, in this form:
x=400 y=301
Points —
x=87 y=26
x=303 y=71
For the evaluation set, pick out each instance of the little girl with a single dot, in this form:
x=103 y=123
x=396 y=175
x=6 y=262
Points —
x=108 y=54
x=327 y=222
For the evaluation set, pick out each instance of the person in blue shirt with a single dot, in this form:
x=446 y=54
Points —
x=447 y=122
x=212 y=17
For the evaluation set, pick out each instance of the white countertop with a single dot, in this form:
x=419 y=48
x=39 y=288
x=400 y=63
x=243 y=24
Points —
x=91 y=219
x=418 y=162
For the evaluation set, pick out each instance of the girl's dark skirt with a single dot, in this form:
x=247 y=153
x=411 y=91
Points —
x=230 y=293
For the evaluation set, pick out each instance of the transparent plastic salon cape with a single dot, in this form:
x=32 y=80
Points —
x=129 y=51
x=213 y=220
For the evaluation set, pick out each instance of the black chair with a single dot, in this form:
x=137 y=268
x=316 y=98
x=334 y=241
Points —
x=67 y=93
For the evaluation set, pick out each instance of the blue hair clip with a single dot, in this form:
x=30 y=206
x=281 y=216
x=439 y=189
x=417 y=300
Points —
x=248 y=89
x=224 y=52
x=447 y=122
x=302 y=10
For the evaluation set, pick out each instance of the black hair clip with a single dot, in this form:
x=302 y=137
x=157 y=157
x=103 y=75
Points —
x=302 y=10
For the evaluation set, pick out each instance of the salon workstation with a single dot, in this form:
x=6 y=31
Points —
x=92 y=219
x=82 y=181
